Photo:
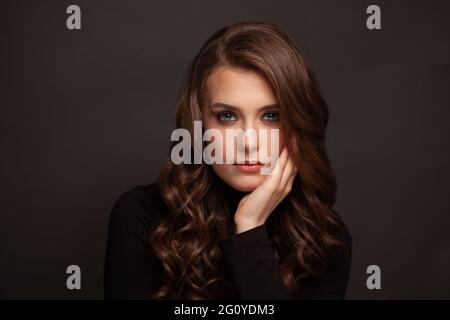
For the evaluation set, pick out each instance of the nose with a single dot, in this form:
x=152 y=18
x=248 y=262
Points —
x=250 y=142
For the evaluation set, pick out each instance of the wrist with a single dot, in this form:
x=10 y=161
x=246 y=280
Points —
x=242 y=226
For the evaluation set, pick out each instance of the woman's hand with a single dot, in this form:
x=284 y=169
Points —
x=254 y=209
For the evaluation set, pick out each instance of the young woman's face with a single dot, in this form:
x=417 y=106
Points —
x=236 y=98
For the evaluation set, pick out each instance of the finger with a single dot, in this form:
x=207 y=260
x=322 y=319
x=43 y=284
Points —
x=281 y=163
x=276 y=168
x=288 y=170
x=274 y=177
x=291 y=179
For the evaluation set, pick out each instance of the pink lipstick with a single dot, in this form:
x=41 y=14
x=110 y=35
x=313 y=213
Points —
x=248 y=167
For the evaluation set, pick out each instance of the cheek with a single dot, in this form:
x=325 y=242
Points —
x=221 y=144
x=218 y=137
x=274 y=146
x=225 y=172
x=228 y=147
x=281 y=144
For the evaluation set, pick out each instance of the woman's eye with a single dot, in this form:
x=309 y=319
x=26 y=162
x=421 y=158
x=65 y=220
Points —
x=271 y=116
x=226 y=116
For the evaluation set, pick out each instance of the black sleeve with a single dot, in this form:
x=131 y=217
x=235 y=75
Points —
x=252 y=264
x=332 y=284
x=131 y=269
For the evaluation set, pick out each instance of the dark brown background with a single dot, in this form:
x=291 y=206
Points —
x=88 y=114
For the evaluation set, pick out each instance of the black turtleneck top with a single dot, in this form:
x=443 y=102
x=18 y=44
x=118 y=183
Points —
x=132 y=271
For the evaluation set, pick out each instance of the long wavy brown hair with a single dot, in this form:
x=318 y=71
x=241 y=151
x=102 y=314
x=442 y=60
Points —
x=186 y=239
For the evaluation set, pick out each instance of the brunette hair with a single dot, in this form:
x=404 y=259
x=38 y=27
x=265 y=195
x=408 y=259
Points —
x=186 y=240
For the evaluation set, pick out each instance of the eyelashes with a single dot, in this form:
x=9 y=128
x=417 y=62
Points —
x=228 y=116
x=273 y=116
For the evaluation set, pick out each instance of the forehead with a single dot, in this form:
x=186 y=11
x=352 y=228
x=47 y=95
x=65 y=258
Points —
x=239 y=87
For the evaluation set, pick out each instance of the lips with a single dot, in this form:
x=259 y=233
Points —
x=249 y=167
x=248 y=163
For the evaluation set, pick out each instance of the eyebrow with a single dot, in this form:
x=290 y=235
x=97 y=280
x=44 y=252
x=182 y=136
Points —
x=229 y=106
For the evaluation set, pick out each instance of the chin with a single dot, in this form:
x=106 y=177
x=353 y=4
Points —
x=247 y=184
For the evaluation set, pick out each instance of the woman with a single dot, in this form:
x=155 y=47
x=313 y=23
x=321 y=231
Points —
x=226 y=231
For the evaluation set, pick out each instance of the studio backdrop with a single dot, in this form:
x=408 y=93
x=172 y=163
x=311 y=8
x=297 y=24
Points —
x=87 y=105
